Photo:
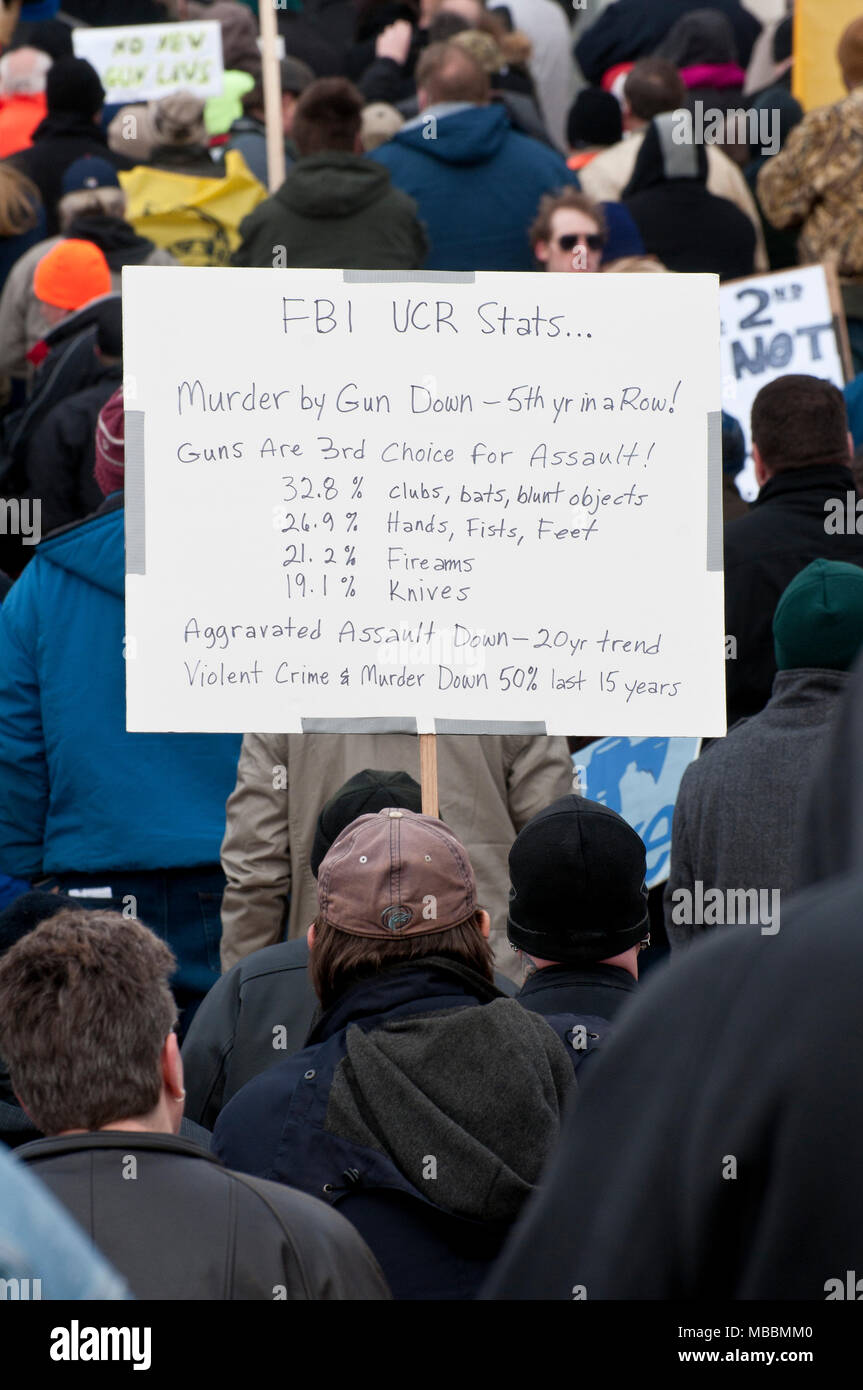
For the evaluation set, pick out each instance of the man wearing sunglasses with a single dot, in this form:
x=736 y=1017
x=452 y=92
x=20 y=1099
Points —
x=569 y=232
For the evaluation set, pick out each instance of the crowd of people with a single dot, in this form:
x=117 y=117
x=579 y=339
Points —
x=361 y=1051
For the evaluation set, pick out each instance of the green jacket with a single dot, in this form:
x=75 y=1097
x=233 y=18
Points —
x=335 y=211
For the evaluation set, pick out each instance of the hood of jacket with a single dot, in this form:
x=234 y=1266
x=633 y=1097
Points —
x=333 y=184
x=473 y=135
x=93 y=550
x=703 y=36
x=479 y=1087
x=104 y=310
x=116 y=239
x=666 y=158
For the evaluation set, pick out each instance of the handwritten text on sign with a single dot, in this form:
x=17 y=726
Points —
x=147 y=62
x=481 y=501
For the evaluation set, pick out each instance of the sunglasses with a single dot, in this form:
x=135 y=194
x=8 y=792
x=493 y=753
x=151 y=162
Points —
x=594 y=240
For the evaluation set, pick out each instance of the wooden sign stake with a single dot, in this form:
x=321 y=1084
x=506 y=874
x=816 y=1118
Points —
x=428 y=774
x=272 y=96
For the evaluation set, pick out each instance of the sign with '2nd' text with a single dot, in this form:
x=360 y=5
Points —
x=773 y=325
x=426 y=502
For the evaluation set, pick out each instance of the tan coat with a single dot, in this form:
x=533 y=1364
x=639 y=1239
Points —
x=490 y=786
x=606 y=176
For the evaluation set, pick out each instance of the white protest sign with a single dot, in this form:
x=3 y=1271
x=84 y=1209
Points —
x=422 y=499
x=773 y=325
x=147 y=61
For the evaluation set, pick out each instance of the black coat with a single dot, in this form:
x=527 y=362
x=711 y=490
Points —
x=688 y=228
x=57 y=142
x=633 y=29
x=594 y=990
x=61 y=454
x=70 y=364
x=716 y=1151
x=184 y=1227
x=260 y=1012
x=782 y=532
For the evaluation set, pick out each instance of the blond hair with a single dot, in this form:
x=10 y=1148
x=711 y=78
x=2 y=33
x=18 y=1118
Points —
x=19 y=202
x=637 y=264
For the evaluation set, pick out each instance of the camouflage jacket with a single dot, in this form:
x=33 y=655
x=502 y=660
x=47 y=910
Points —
x=816 y=183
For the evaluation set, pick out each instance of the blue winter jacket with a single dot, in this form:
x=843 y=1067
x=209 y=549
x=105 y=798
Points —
x=477 y=183
x=76 y=791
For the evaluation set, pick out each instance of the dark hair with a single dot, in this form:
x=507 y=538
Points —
x=85 y=1008
x=653 y=86
x=446 y=25
x=798 y=421
x=594 y=118
x=328 y=116
x=566 y=198
x=447 y=72
x=338 y=958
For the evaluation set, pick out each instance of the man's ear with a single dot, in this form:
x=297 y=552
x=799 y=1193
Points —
x=310 y=937
x=172 y=1067
x=484 y=923
x=850 y=445
x=541 y=251
x=23 y=1107
x=762 y=472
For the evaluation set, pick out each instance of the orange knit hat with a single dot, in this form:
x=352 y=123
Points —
x=71 y=274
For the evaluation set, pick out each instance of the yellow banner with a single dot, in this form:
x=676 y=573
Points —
x=818 y=27
x=197 y=219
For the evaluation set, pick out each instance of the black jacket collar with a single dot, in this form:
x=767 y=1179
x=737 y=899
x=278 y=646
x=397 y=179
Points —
x=127 y=1139
x=562 y=976
x=435 y=977
x=72 y=123
x=830 y=478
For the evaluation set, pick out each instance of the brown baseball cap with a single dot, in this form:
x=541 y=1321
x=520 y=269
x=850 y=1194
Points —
x=396 y=874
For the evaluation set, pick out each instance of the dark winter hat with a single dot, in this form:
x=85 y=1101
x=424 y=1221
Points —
x=394 y=875
x=39 y=9
x=25 y=913
x=362 y=795
x=577 y=874
x=624 y=238
x=89 y=172
x=295 y=76
x=733 y=445
x=73 y=84
x=819 y=618
x=594 y=119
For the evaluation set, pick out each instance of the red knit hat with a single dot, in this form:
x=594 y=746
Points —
x=71 y=274
x=111 y=444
